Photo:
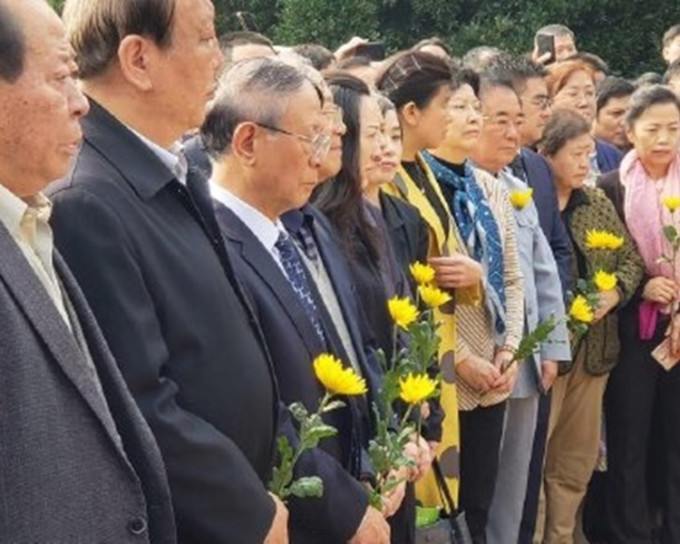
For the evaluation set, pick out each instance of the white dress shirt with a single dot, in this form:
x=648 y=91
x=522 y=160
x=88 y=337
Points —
x=263 y=228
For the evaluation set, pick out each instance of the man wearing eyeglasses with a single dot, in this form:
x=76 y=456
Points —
x=268 y=136
x=527 y=80
x=498 y=145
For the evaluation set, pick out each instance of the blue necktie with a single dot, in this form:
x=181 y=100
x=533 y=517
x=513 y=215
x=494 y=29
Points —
x=294 y=269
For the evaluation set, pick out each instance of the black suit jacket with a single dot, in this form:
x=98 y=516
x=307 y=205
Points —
x=150 y=259
x=75 y=465
x=540 y=178
x=294 y=344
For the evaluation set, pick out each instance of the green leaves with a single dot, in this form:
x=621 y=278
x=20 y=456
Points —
x=307 y=487
x=532 y=342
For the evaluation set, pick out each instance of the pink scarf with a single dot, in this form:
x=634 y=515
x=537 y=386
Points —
x=645 y=216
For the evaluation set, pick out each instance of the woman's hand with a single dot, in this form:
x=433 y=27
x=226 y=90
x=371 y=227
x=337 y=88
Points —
x=505 y=383
x=456 y=271
x=608 y=301
x=478 y=373
x=661 y=290
x=673 y=332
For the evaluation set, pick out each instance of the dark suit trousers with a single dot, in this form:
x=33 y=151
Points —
x=635 y=385
x=481 y=431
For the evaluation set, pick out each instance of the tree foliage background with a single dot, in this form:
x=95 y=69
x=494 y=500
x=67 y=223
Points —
x=626 y=33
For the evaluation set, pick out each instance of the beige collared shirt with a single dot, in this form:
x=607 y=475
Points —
x=27 y=222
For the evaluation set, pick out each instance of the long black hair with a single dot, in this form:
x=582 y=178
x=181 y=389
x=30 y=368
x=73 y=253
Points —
x=341 y=198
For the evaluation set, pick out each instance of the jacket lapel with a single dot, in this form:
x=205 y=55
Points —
x=49 y=325
x=262 y=264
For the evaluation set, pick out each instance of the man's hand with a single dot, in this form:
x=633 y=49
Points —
x=278 y=533
x=372 y=530
x=392 y=500
x=478 y=373
x=548 y=374
x=348 y=48
x=418 y=450
x=456 y=271
x=608 y=301
x=661 y=290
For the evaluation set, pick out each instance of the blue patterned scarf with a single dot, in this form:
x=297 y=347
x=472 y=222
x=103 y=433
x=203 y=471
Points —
x=479 y=230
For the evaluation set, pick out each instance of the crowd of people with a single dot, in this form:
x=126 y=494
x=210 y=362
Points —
x=187 y=223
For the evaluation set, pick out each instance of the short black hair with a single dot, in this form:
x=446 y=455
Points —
x=320 y=57
x=516 y=68
x=672 y=72
x=563 y=126
x=229 y=40
x=670 y=34
x=647 y=79
x=613 y=87
x=12 y=46
x=645 y=98
x=592 y=60
x=434 y=41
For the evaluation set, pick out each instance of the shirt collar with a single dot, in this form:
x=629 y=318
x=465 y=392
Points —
x=13 y=209
x=264 y=229
x=172 y=158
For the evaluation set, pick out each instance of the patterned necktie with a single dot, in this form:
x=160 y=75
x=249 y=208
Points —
x=294 y=269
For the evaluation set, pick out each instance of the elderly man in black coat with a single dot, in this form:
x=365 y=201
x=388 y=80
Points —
x=138 y=230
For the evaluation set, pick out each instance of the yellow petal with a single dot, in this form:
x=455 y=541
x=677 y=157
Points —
x=433 y=296
x=605 y=281
x=336 y=379
x=520 y=199
x=580 y=310
x=422 y=273
x=403 y=311
x=672 y=203
x=602 y=239
x=414 y=389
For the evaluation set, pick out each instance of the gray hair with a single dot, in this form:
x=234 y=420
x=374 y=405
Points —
x=645 y=98
x=555 y=30
x=256 y=90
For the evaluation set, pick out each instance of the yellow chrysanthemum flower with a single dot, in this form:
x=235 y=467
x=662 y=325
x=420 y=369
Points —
x=672 y=203
x=432 y=296
x=602 y=239
x=422 y=273
x=336 y=379
x=605 y=281
x=403 y=311
x=414 y=389
x=580 y=310
x=519 y=199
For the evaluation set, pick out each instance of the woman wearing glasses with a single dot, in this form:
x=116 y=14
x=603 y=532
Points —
x=571 y=85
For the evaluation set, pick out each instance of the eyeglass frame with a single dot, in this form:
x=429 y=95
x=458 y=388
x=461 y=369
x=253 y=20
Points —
x=320 y=143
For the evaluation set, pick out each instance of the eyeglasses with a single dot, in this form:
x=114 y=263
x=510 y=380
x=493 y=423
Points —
x=334 y=114
x=542 y=102
x=319 y=143
x=503 y=123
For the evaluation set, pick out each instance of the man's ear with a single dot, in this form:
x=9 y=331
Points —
x=244 y=143
x=135 y=58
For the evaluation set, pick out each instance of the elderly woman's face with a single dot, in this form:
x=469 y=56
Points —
x=571 y=163
x=578 y=94
x=656 y=135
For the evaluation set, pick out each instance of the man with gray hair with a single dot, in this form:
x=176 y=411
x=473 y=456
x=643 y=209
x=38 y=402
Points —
x=78 y=463
x=564 y=43
x=267 y=135
x=138 y=229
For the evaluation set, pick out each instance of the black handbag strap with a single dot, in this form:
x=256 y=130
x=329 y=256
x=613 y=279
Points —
x=444 y=489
